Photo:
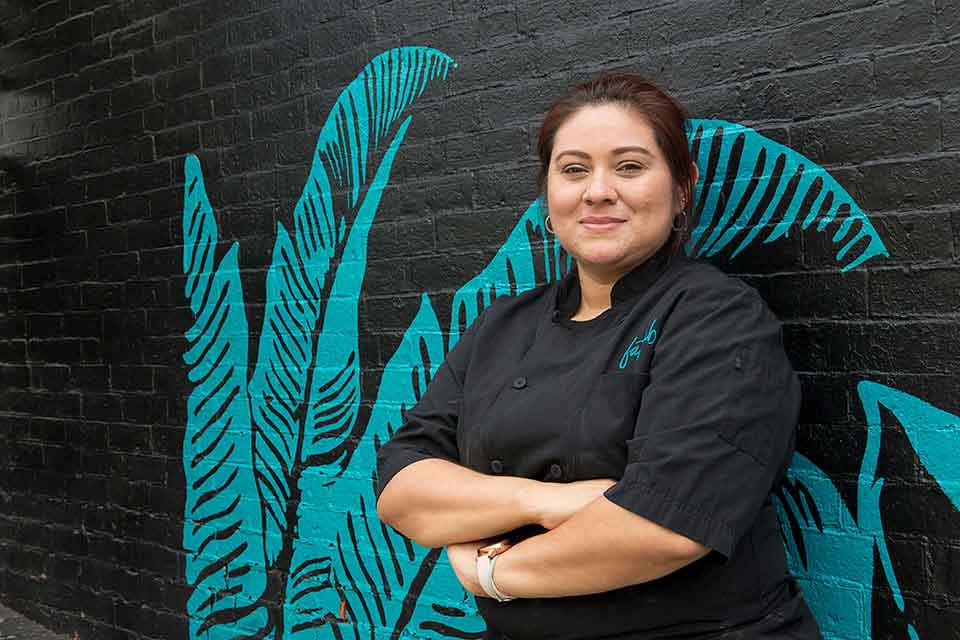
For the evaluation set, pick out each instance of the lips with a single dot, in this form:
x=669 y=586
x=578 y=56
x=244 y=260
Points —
x=601 y=223
x=599 y=220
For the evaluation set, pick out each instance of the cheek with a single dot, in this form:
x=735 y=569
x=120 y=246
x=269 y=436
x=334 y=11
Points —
x=655 y=197
x=561 y=198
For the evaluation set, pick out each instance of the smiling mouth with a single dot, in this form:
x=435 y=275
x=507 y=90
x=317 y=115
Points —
x=601 y=225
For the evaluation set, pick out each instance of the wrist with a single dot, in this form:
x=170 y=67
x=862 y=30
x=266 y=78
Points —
x=486 y=564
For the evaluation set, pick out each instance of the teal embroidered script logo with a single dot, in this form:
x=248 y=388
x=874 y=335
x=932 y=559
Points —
x=636 y=345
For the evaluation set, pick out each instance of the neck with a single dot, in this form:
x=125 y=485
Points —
x=596 y=286
x=595 y=289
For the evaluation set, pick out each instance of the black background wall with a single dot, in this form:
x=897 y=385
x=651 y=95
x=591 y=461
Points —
x=101 y=101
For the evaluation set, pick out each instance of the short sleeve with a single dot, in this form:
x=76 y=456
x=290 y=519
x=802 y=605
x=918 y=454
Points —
x=717 y=422
x=429 y=429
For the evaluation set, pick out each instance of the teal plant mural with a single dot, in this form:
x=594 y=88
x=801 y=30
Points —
x=259 y=455
x=752 y=185
x=280 y=528
x=820 y=532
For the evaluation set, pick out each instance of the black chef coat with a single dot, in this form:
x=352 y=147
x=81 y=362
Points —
x=682 y=392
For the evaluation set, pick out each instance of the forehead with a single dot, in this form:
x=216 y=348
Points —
x=601 y=128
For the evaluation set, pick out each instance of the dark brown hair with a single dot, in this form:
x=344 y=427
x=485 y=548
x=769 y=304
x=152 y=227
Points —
x=666 y=117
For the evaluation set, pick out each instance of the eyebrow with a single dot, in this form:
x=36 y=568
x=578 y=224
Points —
x=616 y=152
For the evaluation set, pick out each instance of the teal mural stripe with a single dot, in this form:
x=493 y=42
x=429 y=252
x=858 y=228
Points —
x=224 y=553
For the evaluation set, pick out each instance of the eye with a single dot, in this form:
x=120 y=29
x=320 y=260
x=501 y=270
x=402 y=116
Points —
x=632 y=166
x=572 y=168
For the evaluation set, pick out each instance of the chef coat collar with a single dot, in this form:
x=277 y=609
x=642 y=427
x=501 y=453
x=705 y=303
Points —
x=630 y=284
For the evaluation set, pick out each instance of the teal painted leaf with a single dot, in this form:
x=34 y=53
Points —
x=832 y=553
x=829 y=555
x=280 y=380
x=529 y=256
x=933 y=435
x=305 y=388
x=224 y=551
x=345 y=554
x=334 y=396
x=749 y=183
x=331 y=413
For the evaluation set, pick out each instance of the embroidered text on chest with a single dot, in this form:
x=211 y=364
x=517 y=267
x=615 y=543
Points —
x=636 y=345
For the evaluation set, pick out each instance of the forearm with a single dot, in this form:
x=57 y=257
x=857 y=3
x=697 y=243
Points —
x=435 y=503
x=602 y=547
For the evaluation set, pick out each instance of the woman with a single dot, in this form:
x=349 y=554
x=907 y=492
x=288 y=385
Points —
x=622 y=428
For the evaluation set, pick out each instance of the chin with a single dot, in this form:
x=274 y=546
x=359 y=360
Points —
x=614 y=256
x=603 y=258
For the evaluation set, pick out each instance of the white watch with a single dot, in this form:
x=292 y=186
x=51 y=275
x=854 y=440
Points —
x=486 y=561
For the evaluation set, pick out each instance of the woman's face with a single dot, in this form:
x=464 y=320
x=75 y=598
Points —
x=610 y=194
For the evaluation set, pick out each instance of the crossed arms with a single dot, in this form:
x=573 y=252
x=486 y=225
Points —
x=592 y=545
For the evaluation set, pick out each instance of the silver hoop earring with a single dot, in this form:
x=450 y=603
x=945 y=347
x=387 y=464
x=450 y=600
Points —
x=683 y=216
x=546 y=223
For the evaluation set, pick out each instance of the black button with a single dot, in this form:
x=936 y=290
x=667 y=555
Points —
x=496 y=466
x=556 y=472
x=519 y=383
x=556 y=316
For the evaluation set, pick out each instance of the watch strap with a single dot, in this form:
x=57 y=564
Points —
x=485 y=567
x=500 y=595
x=483 y=575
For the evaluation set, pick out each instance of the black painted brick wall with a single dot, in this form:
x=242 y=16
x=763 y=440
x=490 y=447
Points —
x=101 y=100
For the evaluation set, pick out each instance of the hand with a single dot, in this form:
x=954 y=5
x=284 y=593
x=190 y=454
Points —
x=554 y=503
x=463 y=559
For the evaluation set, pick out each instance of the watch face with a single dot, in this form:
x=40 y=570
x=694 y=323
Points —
x=494 y=549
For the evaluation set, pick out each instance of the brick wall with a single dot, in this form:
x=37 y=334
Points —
x=103 y=103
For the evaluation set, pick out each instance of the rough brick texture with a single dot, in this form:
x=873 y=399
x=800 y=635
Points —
x=102 y=101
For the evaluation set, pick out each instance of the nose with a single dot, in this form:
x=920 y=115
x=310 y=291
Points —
x=599 y=189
